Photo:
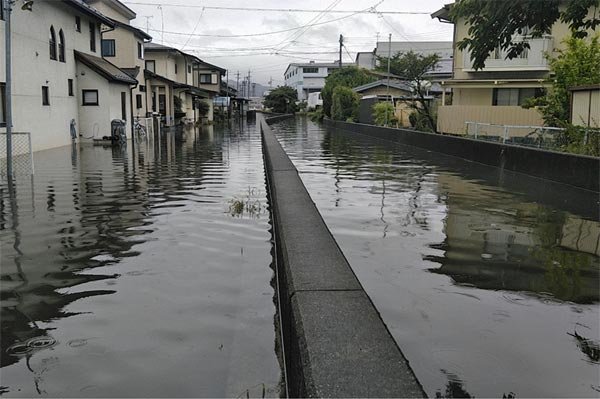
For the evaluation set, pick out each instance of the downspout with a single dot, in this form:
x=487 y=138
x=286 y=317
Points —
x=131 y=109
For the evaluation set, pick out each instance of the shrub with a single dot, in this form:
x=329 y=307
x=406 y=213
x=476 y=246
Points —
x=344 y=104
x=384 y=114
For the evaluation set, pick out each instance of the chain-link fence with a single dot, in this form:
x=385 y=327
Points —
x=22 y=155
x=550 y=138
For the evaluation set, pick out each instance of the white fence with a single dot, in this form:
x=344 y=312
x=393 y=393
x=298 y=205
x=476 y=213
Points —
x=531 y=136
x=22 y=155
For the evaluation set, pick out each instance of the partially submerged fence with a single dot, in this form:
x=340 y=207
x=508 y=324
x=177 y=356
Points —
x=22 y=154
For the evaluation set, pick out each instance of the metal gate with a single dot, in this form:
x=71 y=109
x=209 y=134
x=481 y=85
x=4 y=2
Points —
x=22 y=154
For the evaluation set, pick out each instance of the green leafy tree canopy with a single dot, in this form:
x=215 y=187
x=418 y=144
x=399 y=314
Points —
x=414 y=68
x=494 y=23
x=345 y=104
x=281 y=100
x=347 y=76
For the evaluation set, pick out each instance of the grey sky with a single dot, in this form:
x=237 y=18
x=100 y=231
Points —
x=268 y=55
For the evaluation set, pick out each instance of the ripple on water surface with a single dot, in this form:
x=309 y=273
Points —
x=140 y=272
x=488 y=281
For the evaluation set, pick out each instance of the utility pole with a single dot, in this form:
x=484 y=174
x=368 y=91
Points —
x=162 y=25
x=237 y=82
x=388 y=75
x=271 y=82
x=341 y=44
x=7 y=4
x=249 y=80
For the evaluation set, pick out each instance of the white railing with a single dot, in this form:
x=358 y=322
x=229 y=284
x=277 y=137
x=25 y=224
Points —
x=530 y=136
x=22 y=154
x=533 y=58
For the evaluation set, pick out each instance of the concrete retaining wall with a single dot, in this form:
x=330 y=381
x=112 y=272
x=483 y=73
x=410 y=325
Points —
x=336 y=344
x=577 y=170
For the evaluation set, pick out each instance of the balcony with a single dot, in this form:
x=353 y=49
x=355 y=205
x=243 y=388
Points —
x=532 y=59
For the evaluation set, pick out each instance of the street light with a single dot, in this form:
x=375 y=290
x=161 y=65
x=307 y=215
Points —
x=27 y=6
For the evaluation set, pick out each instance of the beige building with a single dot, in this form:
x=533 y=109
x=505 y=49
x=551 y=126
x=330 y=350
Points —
x=59 y=77
x=495 y=93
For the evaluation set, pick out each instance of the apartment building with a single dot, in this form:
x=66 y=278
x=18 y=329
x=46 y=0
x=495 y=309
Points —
x=495 y=93
x=308 y=77
x=59 y=77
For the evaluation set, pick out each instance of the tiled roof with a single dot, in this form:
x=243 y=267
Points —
x=89 y=10
x=104 y=68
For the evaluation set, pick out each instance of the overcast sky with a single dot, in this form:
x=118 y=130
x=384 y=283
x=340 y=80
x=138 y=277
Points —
x=267 y=56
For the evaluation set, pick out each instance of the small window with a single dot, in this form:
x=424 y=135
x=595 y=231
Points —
x=142 y=88
x=92 y=37
x=108 y=48
x=90 y=97
x=70 y=86
x=78 y=24
x=45 y=95
x=175 y=69
x=124 y=105
x=138 y=101
x=150 y=66
x=140 y=51
x=52 y=42
x=205 y=78
x=61 y=46
x=2 y=104
x=310 y=70
x=214 y=78
x=189 y=69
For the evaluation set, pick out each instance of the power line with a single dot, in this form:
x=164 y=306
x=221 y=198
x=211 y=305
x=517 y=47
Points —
x=299 y=10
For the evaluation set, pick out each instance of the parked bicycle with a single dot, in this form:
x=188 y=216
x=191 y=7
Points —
x=139 y=129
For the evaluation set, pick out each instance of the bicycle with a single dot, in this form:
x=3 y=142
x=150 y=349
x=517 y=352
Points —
x=139 y=129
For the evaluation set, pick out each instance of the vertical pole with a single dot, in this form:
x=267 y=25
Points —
x=30 y=154
x=341 y=44
x=388 y=76
x=505 y=134
x=8 y=92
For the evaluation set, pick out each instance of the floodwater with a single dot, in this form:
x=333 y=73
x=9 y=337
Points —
x=488 y=280
x=142 y=272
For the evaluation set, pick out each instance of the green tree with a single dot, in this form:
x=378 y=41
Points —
x=345 y=104
x=578 y=64
x=383 y=114
x=282 y=100
x=414 y=67
x=347 y=76
x=494 y=23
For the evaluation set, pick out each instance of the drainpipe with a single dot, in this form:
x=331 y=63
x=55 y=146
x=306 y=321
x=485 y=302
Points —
x=8 y=91
x=131 y=89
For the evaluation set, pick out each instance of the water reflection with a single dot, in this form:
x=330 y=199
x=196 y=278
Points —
x=131 y=250
x=483 y=276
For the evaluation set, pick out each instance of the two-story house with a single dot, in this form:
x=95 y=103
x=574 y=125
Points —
x=124 y=46
x=59 y=77
x=308 y=77
x=495 y=93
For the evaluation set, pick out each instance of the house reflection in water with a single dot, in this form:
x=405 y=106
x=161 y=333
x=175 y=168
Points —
x=517 y=246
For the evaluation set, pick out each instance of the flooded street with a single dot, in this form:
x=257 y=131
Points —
x=488 y=281
x=142 y=272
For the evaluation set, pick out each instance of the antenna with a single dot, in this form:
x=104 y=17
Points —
x=148 y=17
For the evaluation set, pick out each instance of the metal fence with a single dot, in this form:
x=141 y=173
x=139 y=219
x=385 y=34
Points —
x=22 y=154
x=550 y=138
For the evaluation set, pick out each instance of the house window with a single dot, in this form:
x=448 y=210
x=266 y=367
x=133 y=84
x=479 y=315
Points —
x=142 y=88
x=108 y=48
x=310 y=70
x=61 y=46
x=138 y=101
x=70 y=86
x=214 y=78
x=90 y=97
x=92 y=37
x=45 y=95
x=52 y=42
x=124 y=105
x=140 y=51
x=150 y=66
x=205 y=78
x=514 y=97
x=189 y=69
x=78 y=24
x=175 y=69
x=2 y=104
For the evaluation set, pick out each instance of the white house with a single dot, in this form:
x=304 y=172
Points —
x=59 y=76
x=308 y=77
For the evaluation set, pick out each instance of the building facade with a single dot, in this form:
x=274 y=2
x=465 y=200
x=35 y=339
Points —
x=308 y=77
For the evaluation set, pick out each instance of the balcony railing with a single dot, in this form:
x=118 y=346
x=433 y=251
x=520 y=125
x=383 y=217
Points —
x=532 y=59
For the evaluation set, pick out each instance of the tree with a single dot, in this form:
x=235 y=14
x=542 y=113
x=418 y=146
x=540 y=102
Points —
x=345 y=104
x=347 y=76
x=494 y=23
x=282 y=100
x=414 y=67
x=578 y=64
x=383 y=114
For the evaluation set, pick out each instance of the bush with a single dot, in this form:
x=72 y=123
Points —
x=316 y=116
x=282 y=100
x=420 y=121
x=384 y=114
x=345 y=104
x=347 y=76
x=203 y=107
